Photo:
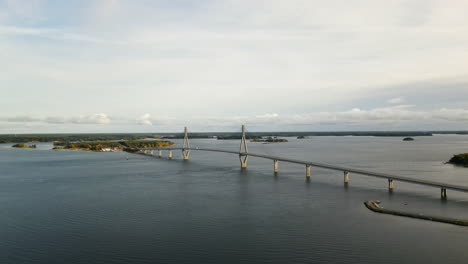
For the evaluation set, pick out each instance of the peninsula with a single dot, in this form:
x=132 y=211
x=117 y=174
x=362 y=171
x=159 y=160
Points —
x=104 y=146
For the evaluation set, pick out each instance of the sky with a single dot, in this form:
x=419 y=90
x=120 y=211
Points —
x=94 y=66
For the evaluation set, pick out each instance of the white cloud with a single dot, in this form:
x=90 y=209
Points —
x=451 y=114
x=145 y=120
x=381 y=118
x=100 y=119
x=377 y=116
x=396 y=100
x=24 y=9
x=25 y=30
x=23 y=118
x=55 y=120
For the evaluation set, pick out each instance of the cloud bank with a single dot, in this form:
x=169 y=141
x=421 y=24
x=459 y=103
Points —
x=384 y=117
x=95 y=119
x=300 y=64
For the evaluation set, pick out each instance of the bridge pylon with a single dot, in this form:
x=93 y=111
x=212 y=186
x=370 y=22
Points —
x=243 y=150
x=186 y=145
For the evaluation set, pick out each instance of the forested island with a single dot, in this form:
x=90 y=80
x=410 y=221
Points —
x=460 y=159
x=269 y=140
x=21 y=145
x=230 y=137
x=129 y=146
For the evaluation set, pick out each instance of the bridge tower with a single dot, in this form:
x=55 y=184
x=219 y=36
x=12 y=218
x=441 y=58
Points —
x=186 y=145
x=243 y=157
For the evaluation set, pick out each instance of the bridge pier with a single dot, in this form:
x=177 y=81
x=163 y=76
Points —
x=390 y=185
x=169 y=154
x=159 y=153
x=308 y=171
x=443 y=193
x=275 y=166
x=243 y=165
x=243 y=161
x=346 y=178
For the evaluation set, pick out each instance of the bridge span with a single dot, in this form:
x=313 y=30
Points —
x=243 y=154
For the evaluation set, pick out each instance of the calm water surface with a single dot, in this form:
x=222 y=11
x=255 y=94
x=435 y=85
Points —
x=86 y=207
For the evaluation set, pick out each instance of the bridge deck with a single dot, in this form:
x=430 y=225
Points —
x=338 y=168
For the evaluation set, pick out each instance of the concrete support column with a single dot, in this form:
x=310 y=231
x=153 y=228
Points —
x=243 y=160
x=169 y=154
x=308 y=173
x=159 y=153
x=346 y=177
x=443 y=193
x=275 y=166
x=243 y=165
x=390 y=185
x=185 y=154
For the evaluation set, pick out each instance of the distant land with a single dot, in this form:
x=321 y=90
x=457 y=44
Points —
x=269 y=140
x=80 y=137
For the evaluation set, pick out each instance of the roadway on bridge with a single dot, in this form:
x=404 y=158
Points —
x=333 y=167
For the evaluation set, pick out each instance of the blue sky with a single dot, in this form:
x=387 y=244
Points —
x=156 y=66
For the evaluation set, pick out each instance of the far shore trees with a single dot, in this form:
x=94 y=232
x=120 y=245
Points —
x=21 y=145
x=130 y=145
x=460 y=159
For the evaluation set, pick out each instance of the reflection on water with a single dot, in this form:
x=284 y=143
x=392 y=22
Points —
x=85 y=207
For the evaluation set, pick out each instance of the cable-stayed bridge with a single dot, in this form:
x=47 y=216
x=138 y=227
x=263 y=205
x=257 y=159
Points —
x=244 y=154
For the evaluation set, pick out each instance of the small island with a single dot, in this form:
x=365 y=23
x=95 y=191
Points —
x=408 y=139
x=21 y=145
x=460 y=159
x=110 y=146
x=269 y=140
